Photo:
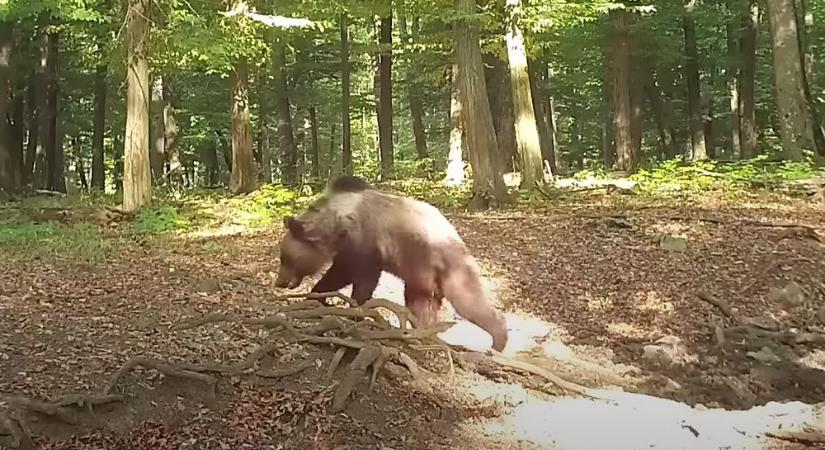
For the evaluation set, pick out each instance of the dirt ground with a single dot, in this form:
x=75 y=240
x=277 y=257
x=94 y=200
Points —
x=589 y=293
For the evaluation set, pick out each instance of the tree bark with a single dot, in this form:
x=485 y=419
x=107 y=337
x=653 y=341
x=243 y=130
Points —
x=413 y=90
x=32 y=130
x=528 y=143
x=243 y=179
x=488 y=183
x=789 y=80
x=499 y=93
x=315 y=145
x=79 y=166
x=54 y=150
x=286 y=135
x=385 y=128
x=8 y=163
x=346 y=133
x=747 y=107
x=697 y=130
x=654 y=96
x=171 y=149
x=137 y=179
x=542 y=125
x=734 y=62
x=550 y=117
x=455 y=160
x=626 y=159
x=158 y=132
x=99 y=152
x=209 y=158
x=805 y=25
x=41 y=175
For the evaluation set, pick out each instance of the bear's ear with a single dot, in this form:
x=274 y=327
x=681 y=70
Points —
x=302 y=230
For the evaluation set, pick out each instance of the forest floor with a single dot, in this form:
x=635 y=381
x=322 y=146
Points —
x=710 y=337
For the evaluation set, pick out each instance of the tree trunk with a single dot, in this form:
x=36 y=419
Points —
x=99 y=152
x=547 y=150
x=413 y=91
x=385 y=98
x=626 y=159
x=137 y=178
x=41 y=175
x=264 y=144
x=747 y=109
x=8 y=163
x=636 y=100
x=286 y=135
x=789 y=80
x=734 y=62
x=315 y=153
x=171 y=149
x=697 y=131
x=209 y=158
x=550 y=117
x=18 y=117
x=346 y=134
x=654 y=96
x=32 y=129
x=805 y=25
x=54 y=149
x=528 y=143
x=455 y=161
x=488 y=183
x=79 y=166
x=158 y=132
x=243 y=178
x=499 y=93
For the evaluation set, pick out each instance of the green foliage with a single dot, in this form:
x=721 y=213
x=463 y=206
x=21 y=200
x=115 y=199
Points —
x=77 y=242
x=159 y=219
x=675 y=176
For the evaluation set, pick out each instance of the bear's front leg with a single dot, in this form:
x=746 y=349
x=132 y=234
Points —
x=336 y=277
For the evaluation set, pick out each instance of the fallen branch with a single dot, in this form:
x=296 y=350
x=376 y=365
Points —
x=39 y=406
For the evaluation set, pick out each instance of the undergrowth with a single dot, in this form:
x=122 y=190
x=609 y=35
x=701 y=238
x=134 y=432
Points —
x=77 y=242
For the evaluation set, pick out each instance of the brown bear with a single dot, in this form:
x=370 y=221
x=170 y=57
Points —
x=364 y=231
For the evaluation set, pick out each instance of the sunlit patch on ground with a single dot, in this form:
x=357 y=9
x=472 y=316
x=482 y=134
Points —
x=634 y=421
x=226 y=229
x=597 y=304
x=652 y=301
x=628 y=330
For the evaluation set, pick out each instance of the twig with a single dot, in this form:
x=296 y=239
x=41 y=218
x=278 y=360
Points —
x=86 y=400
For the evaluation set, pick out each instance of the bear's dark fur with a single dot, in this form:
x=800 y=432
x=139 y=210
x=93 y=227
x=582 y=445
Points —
x=364 y=231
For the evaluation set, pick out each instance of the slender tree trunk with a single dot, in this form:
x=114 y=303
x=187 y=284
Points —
x=54 y=149
x=789 y=80
x=636 y=100
x=18 y=116
x=734 y=62
x=697 y=132
x=528 y=143
x=243 y=178
x=41 y=175
x=455 y=161
x=8 y=163
x=32 y=130
x=209 y=159
x=385 y=128
x=609 y=94
x=316 y=146
x=413 y=91
x=137 y=179
x=551 y=121
x=654 y=97
x=99 y=152
x=79 y=166
x=499 y=93
x=547 y=151
x=626 y=159
x=286 y=135
x=805 y=25
x=171 y=148
x=264 y=144
x=158 y=132
x=488 y=183
x=747 y=74
x=346 y=134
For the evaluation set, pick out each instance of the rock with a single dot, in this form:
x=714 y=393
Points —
x=765 y=355
x=667 y=351
x=673 y=243
x=790 y=297
x=208 y=286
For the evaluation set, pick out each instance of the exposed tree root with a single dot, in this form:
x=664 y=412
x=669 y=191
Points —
x=365 y=358
x=39 y=406
x=162 y=367
x=285 y=372
x=720 y=304
x=802 y=437
x=20 y=437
